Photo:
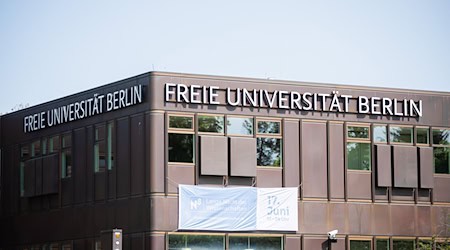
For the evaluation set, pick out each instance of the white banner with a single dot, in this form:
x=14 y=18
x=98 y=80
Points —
x=237 y=208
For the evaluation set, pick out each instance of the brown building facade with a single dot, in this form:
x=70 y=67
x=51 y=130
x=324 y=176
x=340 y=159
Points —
x=371 y=163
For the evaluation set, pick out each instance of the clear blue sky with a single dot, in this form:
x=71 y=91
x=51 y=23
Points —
x=50 y=49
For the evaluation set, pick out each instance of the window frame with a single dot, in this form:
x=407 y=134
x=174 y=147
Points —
x=191 y=131
x=281 y=236
x=401 y=126
x=372 y=131
x=416 y=128
x=272 y=136
x=211 y=115
x=382 y=238
x=433 y=146
x=358 y=140
x=413 y=239
x=224 y=235
x=66 y=148
x=360 y=238
x=240 y=135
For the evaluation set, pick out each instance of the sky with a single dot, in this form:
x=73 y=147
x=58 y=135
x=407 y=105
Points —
x=50 y=49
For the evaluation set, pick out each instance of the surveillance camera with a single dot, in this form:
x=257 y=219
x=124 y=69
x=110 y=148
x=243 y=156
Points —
x=332 y=234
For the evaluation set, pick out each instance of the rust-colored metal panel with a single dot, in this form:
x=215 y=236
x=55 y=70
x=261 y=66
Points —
x=441 y=188
x=359 y=219
x=336 y=160
x=423 y=225
x=381 y=219
x=405 y=166
x=79 y=165
x=313 y=218
x=314 y=159
x=439 y=221
x=319 y=243
x=213 y=155
x=137 y=155
x=179 y=174
x=29 y=178
x=164 y=213
x=293 y=243
x=403 y=220
x=123 y=157
x=426 y=179
x=38 y=174
x=291 y=157
x=359 y=185
x=242 y=156
x=383 y=164
x=339 y=244
x=269 y=177
x=157 y=152
x=338 y=214
x=157 y=241
x=50 y=180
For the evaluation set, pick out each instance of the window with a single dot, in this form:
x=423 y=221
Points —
x=110 y=141
x=255 y=242
x=425 y=244
x=382 y=244
x=379 y=133
x=196 y=241
x=211 y=123
x=24 y=156
x=54 y=144
x=423 y=136
x=36 y=148
x=441 y=151
x=99 y=149
x=181 y=139
x=401 y=134
x=360 y=244
x=269 y=143
x=66 y=156
x=404 y=244
x=239 y=125
x=358 y=148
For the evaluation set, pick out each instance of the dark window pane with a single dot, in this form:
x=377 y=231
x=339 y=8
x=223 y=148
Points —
x=268 y=127
x=379 y=134
x=441 y=160
x=212 y=124
x=423 y=136
x=184 y=122
x=358 y=156
x=360 y=245
x=111 y=139
x=24 y=152
x=66 y=164
x=401 y=134
x=196 y=242
x=44 y=146
x=36 y=148
x=441 y=136
x=266 y=243
x=239 y=126
x=181 y=147
x=404 y=245
x=22 y=179
x=100 y=156
x=54 y=144
x=66 y=140
x=358 y=132
x=382 y=244
x=426 y=244
x=99 y=133
x=268 y=151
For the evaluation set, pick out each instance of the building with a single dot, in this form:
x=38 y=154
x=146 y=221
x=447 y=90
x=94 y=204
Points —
x=372 y=163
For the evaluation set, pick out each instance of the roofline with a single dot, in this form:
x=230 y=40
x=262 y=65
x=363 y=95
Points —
x=296 y=83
